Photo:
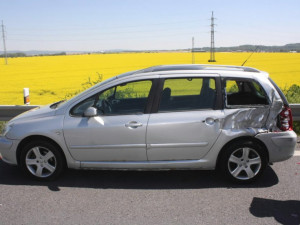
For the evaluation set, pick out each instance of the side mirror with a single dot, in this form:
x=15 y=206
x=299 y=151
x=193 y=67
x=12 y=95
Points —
x=90 y=112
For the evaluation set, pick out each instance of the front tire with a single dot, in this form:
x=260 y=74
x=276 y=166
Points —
x=42 y=160
x=243 y=162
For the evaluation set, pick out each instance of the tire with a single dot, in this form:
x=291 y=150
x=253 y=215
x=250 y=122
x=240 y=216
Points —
x=42 y=160
x=243 y=162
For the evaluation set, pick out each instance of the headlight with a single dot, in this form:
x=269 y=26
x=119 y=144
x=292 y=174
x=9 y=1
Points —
x=6 y=129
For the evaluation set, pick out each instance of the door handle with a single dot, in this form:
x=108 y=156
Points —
x=210 y=120
x=133 y=124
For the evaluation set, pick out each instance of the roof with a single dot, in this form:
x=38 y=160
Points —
x=190 y=67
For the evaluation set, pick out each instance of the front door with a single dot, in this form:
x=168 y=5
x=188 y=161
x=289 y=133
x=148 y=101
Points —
x=118 y=132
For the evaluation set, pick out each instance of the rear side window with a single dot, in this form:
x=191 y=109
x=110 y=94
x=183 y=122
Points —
x=187 y=94
x=244 y=92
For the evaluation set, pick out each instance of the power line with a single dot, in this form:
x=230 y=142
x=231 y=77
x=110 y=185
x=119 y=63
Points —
x=212 y=39
x=4 y=45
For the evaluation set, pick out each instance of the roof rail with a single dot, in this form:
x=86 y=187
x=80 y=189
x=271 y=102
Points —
x=196 y=67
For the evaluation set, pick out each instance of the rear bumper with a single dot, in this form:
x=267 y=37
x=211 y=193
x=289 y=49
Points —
x=8 y=150
x=280 y=145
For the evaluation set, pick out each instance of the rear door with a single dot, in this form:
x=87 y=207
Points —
x=186 y=123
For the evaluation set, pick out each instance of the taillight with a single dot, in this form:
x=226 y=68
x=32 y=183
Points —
x=285 y=119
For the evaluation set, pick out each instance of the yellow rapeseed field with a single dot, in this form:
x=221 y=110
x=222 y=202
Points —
x=50 y=78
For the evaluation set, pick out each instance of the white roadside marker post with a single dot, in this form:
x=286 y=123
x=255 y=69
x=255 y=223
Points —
x=26 y=96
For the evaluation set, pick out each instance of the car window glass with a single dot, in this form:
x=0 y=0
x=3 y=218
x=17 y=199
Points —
x=212 y=84
x=245 y=92
x=127 y=98
x=133 y=90
x=231 y=86
x=187 y=94
x=79 y=109
x=107 y=93
x=259 y=90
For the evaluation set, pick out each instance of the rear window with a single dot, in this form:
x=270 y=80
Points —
x=244 y=93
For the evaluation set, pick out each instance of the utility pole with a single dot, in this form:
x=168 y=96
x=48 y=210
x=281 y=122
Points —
x=193 y=55
x=212 y=39
x=4 y=45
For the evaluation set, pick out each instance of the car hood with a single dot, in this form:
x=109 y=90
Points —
x=35 y=113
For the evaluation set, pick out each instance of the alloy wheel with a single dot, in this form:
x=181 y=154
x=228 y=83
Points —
x=244 y=163
x=41 y=162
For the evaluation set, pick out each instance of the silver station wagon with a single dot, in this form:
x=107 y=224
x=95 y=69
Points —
x=199 y=117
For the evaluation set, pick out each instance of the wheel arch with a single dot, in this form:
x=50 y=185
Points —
x=38 y=138
x=240 y=139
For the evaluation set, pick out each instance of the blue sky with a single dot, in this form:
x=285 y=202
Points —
x=95 y=25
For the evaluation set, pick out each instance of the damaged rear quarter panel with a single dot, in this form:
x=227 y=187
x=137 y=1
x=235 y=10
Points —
x=258 y=121
x=255 y=116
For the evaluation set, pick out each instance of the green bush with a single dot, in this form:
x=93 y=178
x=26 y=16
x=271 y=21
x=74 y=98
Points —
x=296 y=127
x=292 y=94
x=89 y=83
x=2 y=125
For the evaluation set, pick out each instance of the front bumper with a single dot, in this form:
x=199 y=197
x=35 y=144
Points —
x=8 y=150
x=280 y=145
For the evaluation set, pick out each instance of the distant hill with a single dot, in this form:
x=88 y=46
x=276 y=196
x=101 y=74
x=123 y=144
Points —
x=264 y=48
x=41 y=52
x=295 y=47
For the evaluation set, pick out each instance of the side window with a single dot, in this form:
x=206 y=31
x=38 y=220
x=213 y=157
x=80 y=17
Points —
x=134 y=90
x=231 y=87
x=187 y=94
x=79 y=109
x=244 y=92
x=127 y=98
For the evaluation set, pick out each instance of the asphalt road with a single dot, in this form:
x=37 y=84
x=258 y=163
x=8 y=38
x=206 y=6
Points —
x=173 y=197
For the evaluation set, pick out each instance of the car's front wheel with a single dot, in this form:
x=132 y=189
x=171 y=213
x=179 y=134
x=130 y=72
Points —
x=243 y=162
x=42 y=160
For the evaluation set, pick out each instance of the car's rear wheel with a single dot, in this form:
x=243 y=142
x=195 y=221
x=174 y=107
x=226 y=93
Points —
x=243 y=162
x=42 y=160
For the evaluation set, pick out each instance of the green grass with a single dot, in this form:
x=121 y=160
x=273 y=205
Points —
x=2 y=125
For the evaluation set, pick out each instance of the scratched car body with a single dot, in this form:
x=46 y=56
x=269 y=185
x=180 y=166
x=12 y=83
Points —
x=195 y=117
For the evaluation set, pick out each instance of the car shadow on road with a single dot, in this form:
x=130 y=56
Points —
x=284 y=212
x=188 y=179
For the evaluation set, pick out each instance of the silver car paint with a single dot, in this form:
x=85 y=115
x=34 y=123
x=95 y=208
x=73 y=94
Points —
x=106 y=138
x=49 y=123
x=182 y=135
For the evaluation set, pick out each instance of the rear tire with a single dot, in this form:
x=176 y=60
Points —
x=42 y=160
x=243 y=162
